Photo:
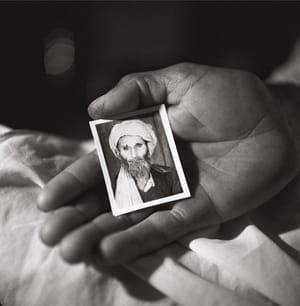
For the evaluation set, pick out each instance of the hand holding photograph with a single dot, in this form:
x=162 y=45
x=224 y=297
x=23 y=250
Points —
x=139 y=160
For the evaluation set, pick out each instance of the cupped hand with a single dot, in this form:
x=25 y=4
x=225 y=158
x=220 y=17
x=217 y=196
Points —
x=234 y=147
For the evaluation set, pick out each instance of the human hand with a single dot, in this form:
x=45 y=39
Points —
x=234 y=148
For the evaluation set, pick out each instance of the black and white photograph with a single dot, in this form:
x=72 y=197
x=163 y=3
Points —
x=139 y=160
x=149 y=153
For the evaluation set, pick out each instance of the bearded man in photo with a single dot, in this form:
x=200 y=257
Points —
x=133 y=143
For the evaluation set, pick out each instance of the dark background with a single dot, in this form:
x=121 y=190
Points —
x=112 y=39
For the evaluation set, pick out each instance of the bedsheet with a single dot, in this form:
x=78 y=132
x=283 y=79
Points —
x=252 y=260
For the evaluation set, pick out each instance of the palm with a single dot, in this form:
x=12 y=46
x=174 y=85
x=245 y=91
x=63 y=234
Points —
x=234 y=154
x=237 y=145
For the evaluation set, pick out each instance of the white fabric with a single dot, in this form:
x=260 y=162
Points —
x=132 y=128
x=32 y=274
x=253 y=264
x=127 y=194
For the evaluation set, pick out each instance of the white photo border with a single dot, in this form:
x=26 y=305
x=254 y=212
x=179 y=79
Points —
x=170 y=139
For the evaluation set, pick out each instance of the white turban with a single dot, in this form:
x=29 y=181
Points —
x=132 y=128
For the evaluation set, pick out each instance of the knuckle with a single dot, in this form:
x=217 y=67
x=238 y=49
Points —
x=179 y=215
x=186 y=65
x=185 y=68
x=140 y=247
x=126 y=220
x=168 y=225
x=131 y=77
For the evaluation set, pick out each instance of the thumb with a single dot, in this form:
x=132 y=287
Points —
x=132 y=92
x=144 y=89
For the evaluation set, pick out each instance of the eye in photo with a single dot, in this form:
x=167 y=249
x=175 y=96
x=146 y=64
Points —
x=139 y=160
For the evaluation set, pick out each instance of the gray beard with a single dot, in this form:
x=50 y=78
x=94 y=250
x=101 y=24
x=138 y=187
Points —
x=139 y=168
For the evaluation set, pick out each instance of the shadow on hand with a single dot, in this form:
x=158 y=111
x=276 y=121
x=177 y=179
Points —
x=189 y=165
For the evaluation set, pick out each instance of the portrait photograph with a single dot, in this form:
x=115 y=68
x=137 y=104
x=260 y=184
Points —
x=139 y=160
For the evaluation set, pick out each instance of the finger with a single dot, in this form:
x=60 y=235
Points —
x=145 y=89
x=71 y=182
x=137 y=240
x=81 y=244
x=159 y=229
x=66 y=219
x=131 y=92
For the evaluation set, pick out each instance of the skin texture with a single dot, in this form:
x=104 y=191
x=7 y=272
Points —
x=234 y=146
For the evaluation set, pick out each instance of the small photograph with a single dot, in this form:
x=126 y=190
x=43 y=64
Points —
x=139 y=160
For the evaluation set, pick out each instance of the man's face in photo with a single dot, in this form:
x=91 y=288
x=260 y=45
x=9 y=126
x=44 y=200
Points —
x=133 y=152
x=132 y=147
